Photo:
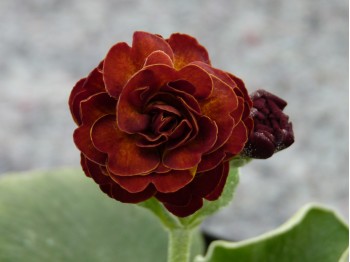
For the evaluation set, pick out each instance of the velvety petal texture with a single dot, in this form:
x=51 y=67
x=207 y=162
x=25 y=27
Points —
x=155 y=119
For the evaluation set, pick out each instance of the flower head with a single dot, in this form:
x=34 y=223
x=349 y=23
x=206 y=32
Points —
x=272 y=129
x=157 y=120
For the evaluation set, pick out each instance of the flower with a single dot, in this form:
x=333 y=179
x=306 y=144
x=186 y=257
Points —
x=157 y=120
x=272 y=130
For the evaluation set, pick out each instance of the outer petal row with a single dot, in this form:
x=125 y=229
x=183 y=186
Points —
x=188 y=200
x=186 y=50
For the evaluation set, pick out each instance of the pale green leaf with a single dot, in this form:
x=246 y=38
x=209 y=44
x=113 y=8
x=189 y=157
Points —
x=63 y=216
x=313 y=234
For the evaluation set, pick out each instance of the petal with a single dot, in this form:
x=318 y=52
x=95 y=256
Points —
x=130 y=116
x=180 y=135
x=145 y=43
x=189 y=155
x=96 y=106
x=182 y=90
x=82 y=140
x=159 y=58
x=161 y=169
x=242 y=88
x=212 y=160
x=93 y=84
x=132 y=184
x=186 y=50
x=237 y=140
x=125 y=158
x=150 y=140
x=218 y=107
x=182 y=197
x=118 y=68
x=107 y=189
x=220 y=187
x=78 y=88
x=92 y=109
x=205 y=183
x=199 y=78
x=238 y=112
x=222 y=75
x=183 y=211
x=124 y=196
x=83 y=165
x=96 y=172
x=166 y=183
x=94 y=81
x=173 y=180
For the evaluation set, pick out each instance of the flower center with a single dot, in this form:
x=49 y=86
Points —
x=164 y=119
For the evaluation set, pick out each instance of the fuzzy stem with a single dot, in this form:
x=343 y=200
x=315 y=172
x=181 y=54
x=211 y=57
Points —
x=179 y=244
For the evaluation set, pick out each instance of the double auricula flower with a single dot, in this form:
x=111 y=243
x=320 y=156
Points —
x=155 y=119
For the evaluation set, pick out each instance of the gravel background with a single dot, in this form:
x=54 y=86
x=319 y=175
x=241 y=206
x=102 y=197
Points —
x=296 y=49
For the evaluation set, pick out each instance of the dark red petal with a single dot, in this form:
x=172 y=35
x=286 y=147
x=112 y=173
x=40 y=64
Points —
x=107 y=189
x=159 y=58
x=183 y=211
x=131 y=118
x=93 y=84
x=219 y=188
x=205 y=183
x=78 y=88
x=150 y=140
x=124 y=196
x=199 y=78
x=145 y=43
x=82 y=140
x=125 y=158
x=186 y=50
x=242 y=88
x=132 y=184
x=95 y=106
x=220 y=74
x=161 y=169
x=218 y=107
x=118 y=68
x=97 y=172
x=83 y=165
x=94 y=81
x=180 y=135
x=173 y=180
x=238 y=112
x=182 y=197
x=237 y=140
x=189 y=155
x=181 y=90
x=211 y=160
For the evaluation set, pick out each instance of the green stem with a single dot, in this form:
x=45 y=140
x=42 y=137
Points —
x=179 y=244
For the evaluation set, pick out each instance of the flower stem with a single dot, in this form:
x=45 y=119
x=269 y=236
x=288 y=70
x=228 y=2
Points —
x=179 y=244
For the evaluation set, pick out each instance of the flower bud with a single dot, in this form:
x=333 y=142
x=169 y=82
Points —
x=272 y=131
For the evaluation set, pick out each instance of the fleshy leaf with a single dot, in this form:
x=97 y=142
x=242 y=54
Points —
x=313 y=234
x=62 y=216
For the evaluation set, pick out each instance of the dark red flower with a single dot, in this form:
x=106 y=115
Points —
x=272 y=129
x=156 y=120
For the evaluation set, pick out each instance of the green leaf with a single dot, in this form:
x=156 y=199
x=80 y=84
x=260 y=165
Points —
x=313 y=234
x=63 y=216
x=210 y=207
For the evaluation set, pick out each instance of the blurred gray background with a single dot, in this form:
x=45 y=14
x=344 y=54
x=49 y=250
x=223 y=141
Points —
x=297 y=49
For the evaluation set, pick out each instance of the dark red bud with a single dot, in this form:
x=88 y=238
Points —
x=272 y=129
